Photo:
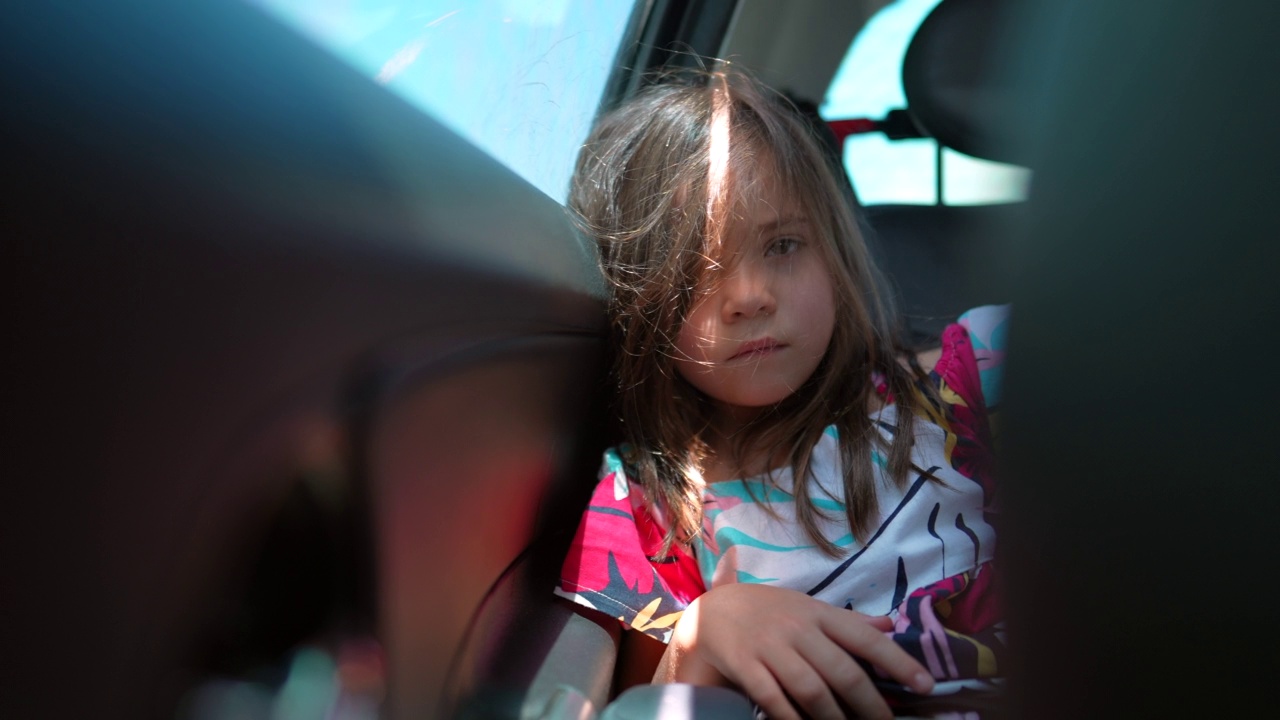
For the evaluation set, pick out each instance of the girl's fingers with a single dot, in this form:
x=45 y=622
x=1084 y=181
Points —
x=866 y=642
x=880 y=622
x=804 y=685
x=765 y=691
x=846 y=678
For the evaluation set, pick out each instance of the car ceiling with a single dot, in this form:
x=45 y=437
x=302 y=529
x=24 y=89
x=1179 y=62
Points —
x=796 y=46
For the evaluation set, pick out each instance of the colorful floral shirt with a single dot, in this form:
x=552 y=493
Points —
x=928 y=563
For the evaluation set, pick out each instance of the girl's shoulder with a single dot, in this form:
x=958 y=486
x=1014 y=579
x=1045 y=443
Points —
x=969 y=358
x=973 y=353
x=967 y=377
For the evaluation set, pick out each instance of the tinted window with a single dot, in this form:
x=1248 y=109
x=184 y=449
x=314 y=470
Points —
x=520 y=79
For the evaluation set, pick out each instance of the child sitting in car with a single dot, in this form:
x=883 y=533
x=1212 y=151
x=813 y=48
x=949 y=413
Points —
x=798 y=504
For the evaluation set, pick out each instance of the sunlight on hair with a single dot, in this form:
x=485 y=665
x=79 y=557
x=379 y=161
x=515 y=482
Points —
x=695 y=474
x=718 y=163
x=705 y=334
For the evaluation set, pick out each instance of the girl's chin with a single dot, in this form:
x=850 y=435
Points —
x=749 y=405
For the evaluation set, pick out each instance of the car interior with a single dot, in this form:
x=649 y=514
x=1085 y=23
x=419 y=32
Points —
x=306 y=392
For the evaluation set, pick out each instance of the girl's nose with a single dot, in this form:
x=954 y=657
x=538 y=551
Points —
x=747 y=295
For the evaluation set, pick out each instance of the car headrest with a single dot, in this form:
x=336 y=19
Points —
x=957 y=88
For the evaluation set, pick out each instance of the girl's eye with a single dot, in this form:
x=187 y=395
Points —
x=782 y=246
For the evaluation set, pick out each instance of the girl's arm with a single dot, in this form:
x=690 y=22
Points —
x=788 y=652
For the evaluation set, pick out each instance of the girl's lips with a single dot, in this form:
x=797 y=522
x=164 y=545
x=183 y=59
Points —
x=756 y=347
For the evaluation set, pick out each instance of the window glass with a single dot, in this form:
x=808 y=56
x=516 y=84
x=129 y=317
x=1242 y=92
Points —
x=521 y=79
x=869 y=84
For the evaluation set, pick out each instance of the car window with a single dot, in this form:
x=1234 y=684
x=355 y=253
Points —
x=521 y=80
x=868 y=85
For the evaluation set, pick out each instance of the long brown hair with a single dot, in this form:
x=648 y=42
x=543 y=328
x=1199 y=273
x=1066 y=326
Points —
x=641 y=189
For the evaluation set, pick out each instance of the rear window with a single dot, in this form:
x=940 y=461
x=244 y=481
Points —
x=869 y=84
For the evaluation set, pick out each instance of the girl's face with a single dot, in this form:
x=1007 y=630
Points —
x=761 y=328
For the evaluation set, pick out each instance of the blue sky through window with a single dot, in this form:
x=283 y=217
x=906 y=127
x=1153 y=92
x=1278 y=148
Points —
x=519 y=79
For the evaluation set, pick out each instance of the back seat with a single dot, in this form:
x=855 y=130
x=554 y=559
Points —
x=942 y=259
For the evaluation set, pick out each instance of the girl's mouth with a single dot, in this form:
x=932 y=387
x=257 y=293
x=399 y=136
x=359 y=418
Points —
x=756 y=348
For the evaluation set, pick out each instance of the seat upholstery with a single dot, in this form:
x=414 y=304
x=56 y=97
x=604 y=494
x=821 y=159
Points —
x=939 y=258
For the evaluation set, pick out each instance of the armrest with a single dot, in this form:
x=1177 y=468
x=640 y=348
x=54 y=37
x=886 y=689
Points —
x=679 y=702
x=577 y=670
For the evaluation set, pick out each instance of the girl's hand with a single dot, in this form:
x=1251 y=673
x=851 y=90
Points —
x=781 y=647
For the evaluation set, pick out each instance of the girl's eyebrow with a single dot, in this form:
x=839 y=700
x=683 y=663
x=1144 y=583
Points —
x=782 y=222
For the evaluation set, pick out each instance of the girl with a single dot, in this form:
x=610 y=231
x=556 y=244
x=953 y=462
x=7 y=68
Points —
x=796 y=503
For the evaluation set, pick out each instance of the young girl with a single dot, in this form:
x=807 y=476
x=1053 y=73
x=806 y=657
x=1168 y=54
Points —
x=797 y=506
